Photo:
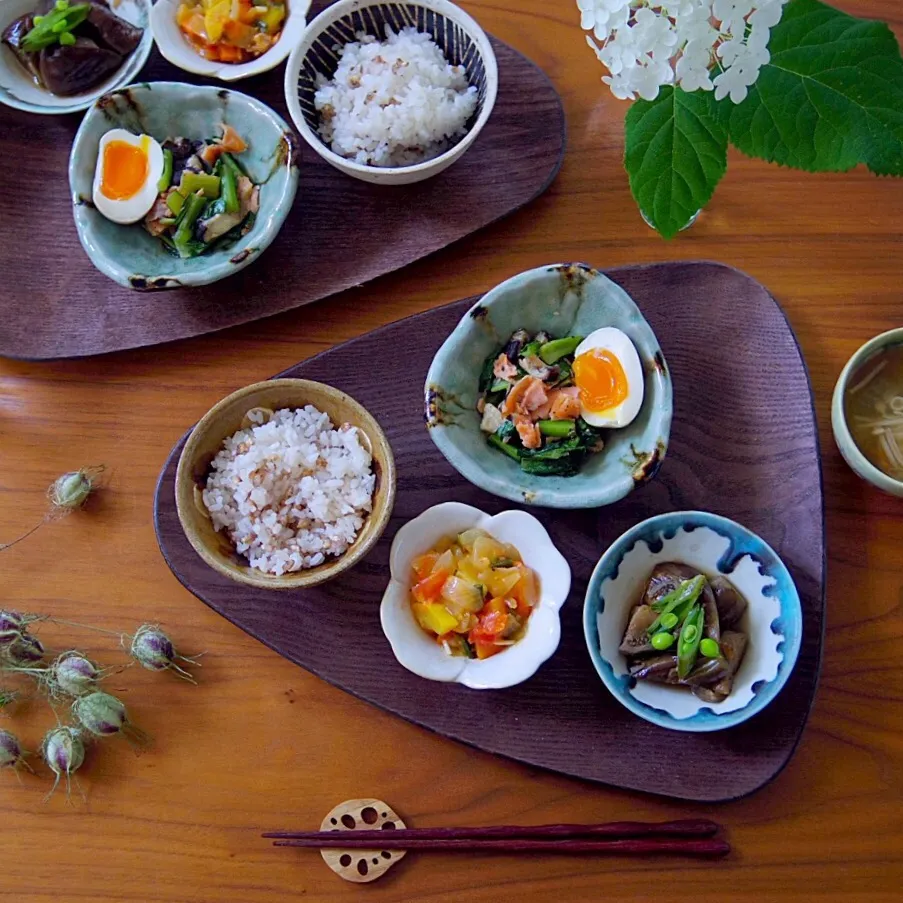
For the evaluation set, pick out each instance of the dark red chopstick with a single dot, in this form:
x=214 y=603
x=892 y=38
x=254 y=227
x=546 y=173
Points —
x=695 y=827
x=685 y=846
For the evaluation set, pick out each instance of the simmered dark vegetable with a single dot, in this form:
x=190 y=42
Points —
x=70 y=48
x=677 y=635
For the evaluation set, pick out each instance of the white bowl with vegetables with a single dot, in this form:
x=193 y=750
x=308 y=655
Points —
x=180 y=185
x=474 y=599
x=228 y=39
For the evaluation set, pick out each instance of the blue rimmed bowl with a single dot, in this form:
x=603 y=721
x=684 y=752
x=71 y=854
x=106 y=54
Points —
x=716 y=546
x=131 y=256
x=19 y=90
x=562 y=299
x=316 y=56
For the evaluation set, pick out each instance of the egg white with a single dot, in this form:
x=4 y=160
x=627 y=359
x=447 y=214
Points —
x=616 y=343
x=129 y=210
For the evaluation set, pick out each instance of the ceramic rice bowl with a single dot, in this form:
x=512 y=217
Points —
x=419 y=653
x=564 y=299
x=129 y=255
x=463 y=43
x=716 y=546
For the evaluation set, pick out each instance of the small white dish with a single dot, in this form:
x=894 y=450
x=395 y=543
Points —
x=179 y=52
x=458 y=34
x=19 y=90
x=413 y=647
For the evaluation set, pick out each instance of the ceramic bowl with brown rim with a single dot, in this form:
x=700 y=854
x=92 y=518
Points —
x=229 y=416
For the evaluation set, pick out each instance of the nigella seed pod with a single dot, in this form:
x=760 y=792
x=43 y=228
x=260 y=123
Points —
x=11 y=754
x=104 y=715
x=154 y=650
x=24 y=650
x=100 y=713
x=12 y=621
x=64 y=752
x=74 y=674
x=71 y=490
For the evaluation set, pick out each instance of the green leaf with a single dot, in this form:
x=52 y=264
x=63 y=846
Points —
x=676 y=153
x=831 y=96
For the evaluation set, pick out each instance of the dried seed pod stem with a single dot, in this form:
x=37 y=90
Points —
x=8 y=697
x=66 y=494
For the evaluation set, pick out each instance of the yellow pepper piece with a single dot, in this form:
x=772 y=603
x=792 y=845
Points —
x=434 y=617
x=273 y=18
x=215 y=19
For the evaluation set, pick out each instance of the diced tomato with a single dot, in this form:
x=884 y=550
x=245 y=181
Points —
x=423 y=565
x=492 y=622
x=428 y=590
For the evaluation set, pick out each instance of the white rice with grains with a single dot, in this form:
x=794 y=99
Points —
x=292 y=491
x=395 y=102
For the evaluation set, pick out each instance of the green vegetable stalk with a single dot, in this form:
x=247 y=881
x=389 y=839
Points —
x=55 y=27
x=230 y=191
x=184 y=238
x=677 y=602
x=553 y=351
x=689 y=640
x=166 y=177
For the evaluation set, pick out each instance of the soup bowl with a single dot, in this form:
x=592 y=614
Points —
x=840 y=425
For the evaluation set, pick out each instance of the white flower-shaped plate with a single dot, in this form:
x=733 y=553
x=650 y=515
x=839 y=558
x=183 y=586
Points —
x=413 y=647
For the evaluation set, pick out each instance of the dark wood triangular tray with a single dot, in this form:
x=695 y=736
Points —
x=340 y=233
x=744 y=444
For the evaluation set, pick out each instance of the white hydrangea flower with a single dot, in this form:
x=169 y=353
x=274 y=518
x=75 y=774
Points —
x=707 y=45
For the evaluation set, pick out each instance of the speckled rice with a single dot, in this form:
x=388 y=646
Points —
x=395 y=102
x=291 y=492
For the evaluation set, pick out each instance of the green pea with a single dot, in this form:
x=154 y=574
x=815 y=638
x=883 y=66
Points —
x=662 y=640
x=38 y=20
x=691 y=631
x=67 y=39
x=709 y=648
x=669 y=620
x=62 y=5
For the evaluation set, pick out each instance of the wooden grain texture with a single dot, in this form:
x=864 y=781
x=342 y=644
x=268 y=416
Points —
x=263 y=744
x=564 y=718
x=341 y=232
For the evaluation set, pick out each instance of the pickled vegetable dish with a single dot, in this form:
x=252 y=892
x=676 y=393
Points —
x=685 y=631
x=546 y=402
x=473 y=594
x=231 y=31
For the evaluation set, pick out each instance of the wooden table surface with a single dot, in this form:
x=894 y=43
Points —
x=262 y=744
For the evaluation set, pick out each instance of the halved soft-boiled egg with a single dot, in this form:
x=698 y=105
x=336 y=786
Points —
x=609 y=375
x=128 y=170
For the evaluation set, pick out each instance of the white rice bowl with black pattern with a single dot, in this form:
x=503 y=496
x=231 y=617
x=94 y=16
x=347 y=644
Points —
x=291 y=491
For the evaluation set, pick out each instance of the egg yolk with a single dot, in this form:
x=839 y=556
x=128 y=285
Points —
x=601 y=379
x=125 y=169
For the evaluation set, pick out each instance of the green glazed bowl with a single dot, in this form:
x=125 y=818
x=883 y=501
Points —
x=563 y=299
x=128 y=254
x=848 y=448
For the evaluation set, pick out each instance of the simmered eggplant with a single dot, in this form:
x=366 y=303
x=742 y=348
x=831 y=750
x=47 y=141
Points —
x=731 y=605
x=87 y=44
x=682 y=632
x=76 y=68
